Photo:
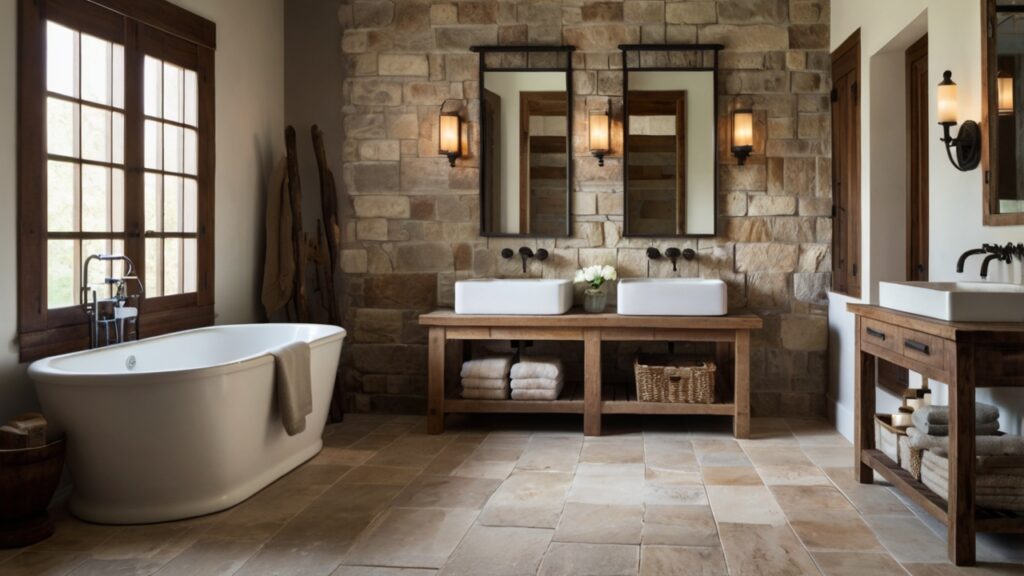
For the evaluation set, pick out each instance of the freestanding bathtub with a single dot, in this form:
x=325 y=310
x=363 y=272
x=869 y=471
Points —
x=184 y=424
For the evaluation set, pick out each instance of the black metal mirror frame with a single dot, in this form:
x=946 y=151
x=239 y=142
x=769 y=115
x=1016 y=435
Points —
x=701 y=48
x=483 y=51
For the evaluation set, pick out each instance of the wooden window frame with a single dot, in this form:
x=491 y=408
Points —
x=155 y=28
x=847 y=269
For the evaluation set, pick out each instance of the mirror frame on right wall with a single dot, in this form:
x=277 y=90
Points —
x=991 y=216
x=705 y=52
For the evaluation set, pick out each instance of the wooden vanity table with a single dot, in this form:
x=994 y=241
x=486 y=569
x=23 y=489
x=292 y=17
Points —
x=966 y=356
x=730 y=333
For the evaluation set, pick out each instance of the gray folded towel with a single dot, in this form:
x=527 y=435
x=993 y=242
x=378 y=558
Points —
x=486 y=383
x=484 y=394
x=293 y=384
x=983 y=413
x=537 y=367
x=984 y=445
x=536 y=394
x=492 y=367
x=536 y=383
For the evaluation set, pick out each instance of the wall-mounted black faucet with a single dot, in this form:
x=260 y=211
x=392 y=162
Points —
x=1002 y=253
x=963 y=257
x=525 y=252
x=673 y=254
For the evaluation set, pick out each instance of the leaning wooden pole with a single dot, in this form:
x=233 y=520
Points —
x=329 y=210
x=298 y=240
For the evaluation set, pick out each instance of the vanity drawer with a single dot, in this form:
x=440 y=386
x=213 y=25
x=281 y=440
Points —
x=880 y=334
x=923 y=348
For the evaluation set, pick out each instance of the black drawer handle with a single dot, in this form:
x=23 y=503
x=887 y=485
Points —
x=917 y=346
x=876 y=334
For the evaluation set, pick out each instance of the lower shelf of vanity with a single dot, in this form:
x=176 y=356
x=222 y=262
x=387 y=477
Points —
x=619 y=398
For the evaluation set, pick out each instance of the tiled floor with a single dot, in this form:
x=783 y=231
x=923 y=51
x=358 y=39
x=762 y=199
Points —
x=515 y=496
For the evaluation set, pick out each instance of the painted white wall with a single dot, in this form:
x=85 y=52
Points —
x=956 y=205
x=250 y=128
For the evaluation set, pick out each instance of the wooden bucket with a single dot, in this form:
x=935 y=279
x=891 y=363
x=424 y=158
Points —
x=28 y=479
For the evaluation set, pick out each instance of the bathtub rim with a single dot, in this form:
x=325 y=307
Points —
x=43 y=371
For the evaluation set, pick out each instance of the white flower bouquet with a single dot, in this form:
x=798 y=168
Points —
x=596 y=275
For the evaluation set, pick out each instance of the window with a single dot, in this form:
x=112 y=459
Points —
x=115 y=143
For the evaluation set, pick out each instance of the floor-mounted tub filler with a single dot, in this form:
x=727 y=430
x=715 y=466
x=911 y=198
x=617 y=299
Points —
x=181 y=425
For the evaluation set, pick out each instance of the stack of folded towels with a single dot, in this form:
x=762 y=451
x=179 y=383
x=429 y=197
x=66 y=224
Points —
x=537 y=378
x=934 y=420
x=486 y=378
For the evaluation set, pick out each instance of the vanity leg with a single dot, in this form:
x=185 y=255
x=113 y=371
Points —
x=741 y=385
x=961 y=511
x=435 y=381
x=592 y=382
x=864 y=409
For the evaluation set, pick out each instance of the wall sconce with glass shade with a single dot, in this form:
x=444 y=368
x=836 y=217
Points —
x=449 y=137
x=742 y=134
x=600 y=135
x=967 y=142
x=1004 y=85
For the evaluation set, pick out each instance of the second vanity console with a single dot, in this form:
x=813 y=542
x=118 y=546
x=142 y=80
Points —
x=449 y=332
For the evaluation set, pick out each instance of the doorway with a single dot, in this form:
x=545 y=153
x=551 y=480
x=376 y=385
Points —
x=917 y=160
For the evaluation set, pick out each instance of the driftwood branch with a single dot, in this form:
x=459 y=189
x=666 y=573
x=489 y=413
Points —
x=331 y=229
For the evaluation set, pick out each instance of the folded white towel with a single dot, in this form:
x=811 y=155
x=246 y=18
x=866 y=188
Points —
x=492 y=367
x=486 y=383
x=984 y=445
x=537 y=367
x=536 y=394
x=294 y=385
x=536 y=383
x=484 y=394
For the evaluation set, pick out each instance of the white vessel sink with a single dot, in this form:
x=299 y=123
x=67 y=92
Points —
x=672 y=297
x=533 y=297
x=956 y=301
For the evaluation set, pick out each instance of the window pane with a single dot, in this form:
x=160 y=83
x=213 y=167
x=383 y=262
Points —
x=172 y=148
x=61 y=59
x=117 y=97
x=191 y=98
x=153 y=145
x=61 y=183
x=172 y=93
x=154 y=257
x=117 y=139
x=191 y=152
x=95 y=134
x=152 y=92
x=96 y=73
x=190 y=206
x=153 y=201
x=172 y=266
x=117 y=200
x=95 y=199
x=60 y=127
x=60 y=276
x=191 y=264
x=98 y=271
x=172 y=203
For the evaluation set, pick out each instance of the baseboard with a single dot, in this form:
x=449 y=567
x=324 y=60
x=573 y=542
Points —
x=841 y=417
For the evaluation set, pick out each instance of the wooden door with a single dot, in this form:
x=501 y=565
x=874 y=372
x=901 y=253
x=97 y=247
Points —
x=917 y=160
x=846 y=211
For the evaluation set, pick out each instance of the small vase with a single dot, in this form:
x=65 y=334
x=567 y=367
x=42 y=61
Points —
x=594 y=300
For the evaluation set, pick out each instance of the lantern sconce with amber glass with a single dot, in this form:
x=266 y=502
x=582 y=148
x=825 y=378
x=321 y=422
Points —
x=449 y=138
x=1004 y=84
x=600 y=135
x=742 y=134
x=967 y=142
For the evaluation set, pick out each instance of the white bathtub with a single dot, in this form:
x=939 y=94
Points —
x=184 y=424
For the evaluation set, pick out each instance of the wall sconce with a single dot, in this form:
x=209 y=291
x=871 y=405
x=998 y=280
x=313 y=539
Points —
x=742 y=134
x=449 y=137
x=1004 y=86
x=599 y=135
x=967 y=142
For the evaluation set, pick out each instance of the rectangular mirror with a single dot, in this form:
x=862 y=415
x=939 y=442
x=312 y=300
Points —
x=526 y=150
x=670 y=139
x=1004 y=160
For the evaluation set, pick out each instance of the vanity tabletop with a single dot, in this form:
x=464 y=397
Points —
x=935 y=327
x=576 y=318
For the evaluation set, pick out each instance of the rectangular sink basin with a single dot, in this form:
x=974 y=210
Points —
x=531 y=297
x=955 y=301
x=672 y=297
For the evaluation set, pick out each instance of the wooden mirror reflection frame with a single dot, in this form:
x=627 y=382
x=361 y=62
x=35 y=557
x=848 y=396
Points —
x=989 y=110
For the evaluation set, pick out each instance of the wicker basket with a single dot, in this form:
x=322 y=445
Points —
x=674 y=379
x=887 y=436
x=910 y=458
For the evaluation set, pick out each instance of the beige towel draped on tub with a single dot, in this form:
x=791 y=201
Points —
x=279 y=262
x=294 y=385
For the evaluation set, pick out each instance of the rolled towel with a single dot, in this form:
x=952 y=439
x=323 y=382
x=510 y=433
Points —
x=536 y=394
x=536 y=383
x=983 y=445
x=486 y=383
x=491 y=367
x=537 y=367
x=484 y=394
x=983 y=413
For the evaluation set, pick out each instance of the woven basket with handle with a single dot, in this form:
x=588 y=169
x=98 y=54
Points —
x=675 y=379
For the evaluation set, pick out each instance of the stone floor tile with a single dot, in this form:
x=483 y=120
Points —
x=869 y=499
x=776 y=456
x=380 y=475
x=759 y=550
x=608 y=484
x=590 y=560
x=833 y=530
x=35 y=563
x=678 y=561
x=793 y=476
x=822 y=498
x=727 y=476
x=857 y=564
x=211 y=557
x=600 y=523
x=674 y=494
x=745 y=505
x=528 y=499
x=410 y=451
x=613 y=450
x=494 y=470
x=317 y=558
x=907 y=539
x=116 y=567
x=690 y=476
x=499 y=551
x=446 y=492
x=73 y=535
x=412 y=537
x=381 y=571
x=450 y=458
x=679 y=526
x=339 y=514
x=830 y=457
x=551 y=454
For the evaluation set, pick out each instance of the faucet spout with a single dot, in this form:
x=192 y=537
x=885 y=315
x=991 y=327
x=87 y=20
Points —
x=963 y=258
x=985 y=263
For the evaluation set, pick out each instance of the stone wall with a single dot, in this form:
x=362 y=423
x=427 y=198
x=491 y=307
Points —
x=411 y=222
